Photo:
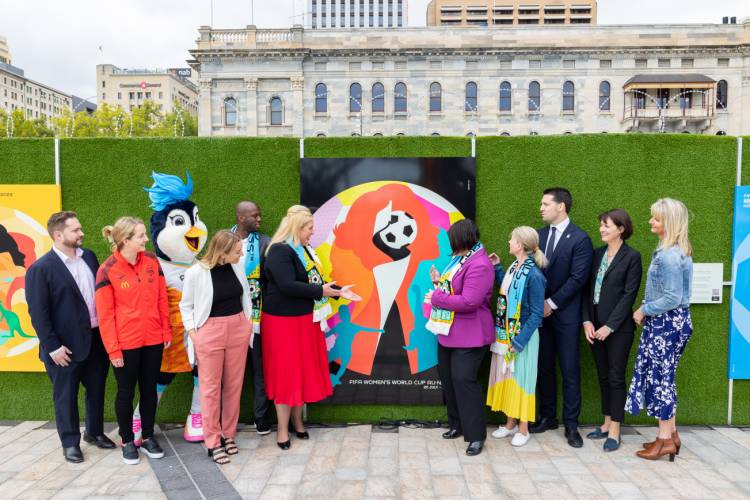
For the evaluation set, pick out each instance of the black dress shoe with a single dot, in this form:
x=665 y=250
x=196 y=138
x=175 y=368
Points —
x=544 y=424
x=475 y=448
x=100 y=441
x=73 y=454
x=302 y=435
x=285 y=445
x=574 y=437
x=452 y=434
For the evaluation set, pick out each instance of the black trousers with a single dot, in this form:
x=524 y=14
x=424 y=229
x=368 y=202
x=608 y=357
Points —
x=260 y=399
x=458 y=369
x=611 y=358
x=559 y=342
x=92 y=373
x=141 y=367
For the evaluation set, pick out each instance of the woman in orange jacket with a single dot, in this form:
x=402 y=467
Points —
x=131 y=302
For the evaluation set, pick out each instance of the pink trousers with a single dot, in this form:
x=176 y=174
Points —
x=221 y=349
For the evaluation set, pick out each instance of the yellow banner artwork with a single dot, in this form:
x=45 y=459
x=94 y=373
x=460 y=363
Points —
x=24 y=210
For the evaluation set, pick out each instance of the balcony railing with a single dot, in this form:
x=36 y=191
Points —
x=248 y=38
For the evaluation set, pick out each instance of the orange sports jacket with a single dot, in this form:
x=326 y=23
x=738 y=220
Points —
x=131 y=302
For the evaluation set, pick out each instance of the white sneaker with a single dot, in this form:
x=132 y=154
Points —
x=503 y=431
x=520 y=439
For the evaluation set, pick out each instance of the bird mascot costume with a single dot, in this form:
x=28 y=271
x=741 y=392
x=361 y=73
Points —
x=178 y=236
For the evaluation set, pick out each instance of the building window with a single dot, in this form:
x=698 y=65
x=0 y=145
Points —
x=321 y=98
x=161 y=95
x=686 y=99
x=471 y=97
x=722 y=93
x=605 y=63
x=687 y=62
x=148 y=95
x=664 y=63
x=104 y=97
x=230 y=112
x=535 y=64
x=535 y=95
x=723 y=62
x=399 y=98
x=662 y=98
x=276 y=111
x=436 y=97
x=569 y=64
x=604 y=92
x=355 y=98
x=378 y=98
x=505 y=96
x=104 y=84
x=119 y=95
x=569 y=96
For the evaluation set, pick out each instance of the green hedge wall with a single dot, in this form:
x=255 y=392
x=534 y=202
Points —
x=103 y=179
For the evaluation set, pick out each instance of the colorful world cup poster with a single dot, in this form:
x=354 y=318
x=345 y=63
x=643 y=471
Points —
x=24 y=210
x=383 y=236
x=739 y=335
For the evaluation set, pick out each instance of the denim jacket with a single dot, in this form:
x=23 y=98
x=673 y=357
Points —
x=668 y=282
x=532 y=305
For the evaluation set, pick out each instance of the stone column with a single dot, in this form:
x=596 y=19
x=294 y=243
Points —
x=295 y=110
x=251 y=107
x=205 y=113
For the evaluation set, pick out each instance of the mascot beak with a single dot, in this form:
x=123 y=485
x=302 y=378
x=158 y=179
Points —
x=192 y=238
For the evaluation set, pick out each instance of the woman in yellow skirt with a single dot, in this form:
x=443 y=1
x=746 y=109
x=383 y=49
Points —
x=520 y=308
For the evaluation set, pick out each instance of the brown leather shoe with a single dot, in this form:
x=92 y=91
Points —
x=675 y=438
x=660 y=448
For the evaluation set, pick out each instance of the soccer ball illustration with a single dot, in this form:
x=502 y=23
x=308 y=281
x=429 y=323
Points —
x=400 y=231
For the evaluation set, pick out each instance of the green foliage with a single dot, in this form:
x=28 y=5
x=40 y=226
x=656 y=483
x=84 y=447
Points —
x=17 y=125
x=103 y=179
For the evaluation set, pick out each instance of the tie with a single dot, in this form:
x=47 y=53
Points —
x=550 y=249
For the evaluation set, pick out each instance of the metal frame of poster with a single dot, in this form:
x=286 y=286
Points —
x=24 y=210
x=381 y=224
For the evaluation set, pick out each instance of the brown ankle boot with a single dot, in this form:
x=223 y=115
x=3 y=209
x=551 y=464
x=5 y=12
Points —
x=660 y=448
x=675 y=438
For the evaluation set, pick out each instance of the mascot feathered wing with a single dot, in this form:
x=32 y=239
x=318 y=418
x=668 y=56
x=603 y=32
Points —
x=178 y=235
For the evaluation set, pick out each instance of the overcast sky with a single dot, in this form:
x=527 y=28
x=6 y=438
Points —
x=57 y=42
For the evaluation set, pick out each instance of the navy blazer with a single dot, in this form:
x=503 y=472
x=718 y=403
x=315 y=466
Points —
x=57 y=309
x=567 y=272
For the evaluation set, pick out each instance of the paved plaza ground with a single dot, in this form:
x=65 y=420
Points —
x=366 y=462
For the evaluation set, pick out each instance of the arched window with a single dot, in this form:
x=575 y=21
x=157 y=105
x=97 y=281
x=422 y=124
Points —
x=435 y=134
x=377 y=134
x=276 y=111
x=399 y=98
x=505 y=134
x=230 y=112
x=321 y=98
x=378 y=98
x=436 y=97
x=604 y=94
x=355 y=98
x=569 y=96
x=470 y=134
x=722 y=94
x=505 y=96
x=535 y=96
x=471 y=97
x=320 y=134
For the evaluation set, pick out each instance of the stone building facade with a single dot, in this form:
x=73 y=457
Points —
x=509 y=12
x=481 y=81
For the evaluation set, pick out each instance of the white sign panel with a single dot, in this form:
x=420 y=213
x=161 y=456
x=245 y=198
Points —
x=708 y=282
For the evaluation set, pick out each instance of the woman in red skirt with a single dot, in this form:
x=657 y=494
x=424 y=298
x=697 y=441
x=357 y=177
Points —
x=295 y=300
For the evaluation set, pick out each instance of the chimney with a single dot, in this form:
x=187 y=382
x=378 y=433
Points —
x=733 y=20
x=725 y=20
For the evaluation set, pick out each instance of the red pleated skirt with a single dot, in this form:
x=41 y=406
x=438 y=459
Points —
x=295 y=360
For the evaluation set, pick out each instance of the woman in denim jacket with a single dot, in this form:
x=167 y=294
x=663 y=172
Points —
x=515 y=352
x=665 y=315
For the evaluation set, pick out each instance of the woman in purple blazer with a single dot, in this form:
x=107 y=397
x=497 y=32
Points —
x=462 y=320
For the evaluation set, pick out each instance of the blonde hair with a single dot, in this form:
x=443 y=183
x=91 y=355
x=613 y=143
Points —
x=528 y=238
x=122 y=230
x=674 y=216
x=219 y=247
x=296 y=218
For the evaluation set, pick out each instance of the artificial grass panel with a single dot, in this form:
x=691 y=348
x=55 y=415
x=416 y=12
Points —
x=103 y=179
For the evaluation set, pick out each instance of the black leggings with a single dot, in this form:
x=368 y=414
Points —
x=142 y=367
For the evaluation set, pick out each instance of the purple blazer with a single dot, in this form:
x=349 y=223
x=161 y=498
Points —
x=473 y=325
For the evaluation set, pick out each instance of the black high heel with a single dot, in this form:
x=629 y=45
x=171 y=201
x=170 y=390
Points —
x=285 y=445
x=302 y=435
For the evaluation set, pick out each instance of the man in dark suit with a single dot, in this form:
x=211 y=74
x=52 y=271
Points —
x=60 y=294
x=569 y=252
x=254 y=243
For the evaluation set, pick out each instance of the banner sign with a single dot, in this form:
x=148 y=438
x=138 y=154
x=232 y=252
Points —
x=739 y=334
x=24 y=210
x=380 y=224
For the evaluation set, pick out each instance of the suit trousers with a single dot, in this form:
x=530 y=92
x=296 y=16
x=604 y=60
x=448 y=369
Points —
x=458 y=369
x=611 y=358
x=92 y=373
x=142 y=366
x=221 y=349
x=559 y=342
x=261 y=404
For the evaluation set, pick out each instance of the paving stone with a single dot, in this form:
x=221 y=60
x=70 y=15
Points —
x=382 y=486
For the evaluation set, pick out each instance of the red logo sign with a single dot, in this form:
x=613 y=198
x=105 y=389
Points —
x=143 y=85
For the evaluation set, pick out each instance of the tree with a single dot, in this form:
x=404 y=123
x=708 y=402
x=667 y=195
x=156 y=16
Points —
x=17 y=125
